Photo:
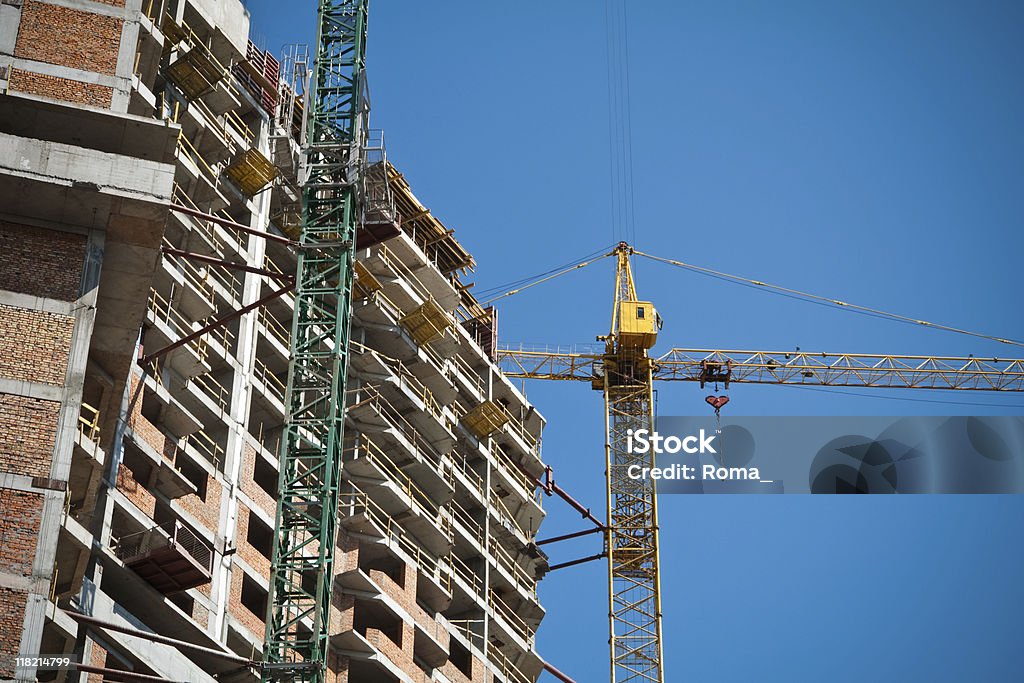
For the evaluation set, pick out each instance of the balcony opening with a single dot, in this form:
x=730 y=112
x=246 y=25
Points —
x=254 y=597
x=260 y=536
x=461 y=658
x=265 y=477
x=194 y=473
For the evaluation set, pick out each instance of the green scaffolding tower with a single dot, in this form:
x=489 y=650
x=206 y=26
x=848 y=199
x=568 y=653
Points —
x=310 y=464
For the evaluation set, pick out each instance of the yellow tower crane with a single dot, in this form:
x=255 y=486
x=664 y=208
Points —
x=626 y=372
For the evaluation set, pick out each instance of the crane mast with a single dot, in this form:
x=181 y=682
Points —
x=631 y=537
x=302 y=572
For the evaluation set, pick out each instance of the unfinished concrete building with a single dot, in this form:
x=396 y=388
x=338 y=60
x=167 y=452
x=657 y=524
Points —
x=137 y=484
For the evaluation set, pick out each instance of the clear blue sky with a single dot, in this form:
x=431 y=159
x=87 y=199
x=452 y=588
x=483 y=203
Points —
x=870 y=151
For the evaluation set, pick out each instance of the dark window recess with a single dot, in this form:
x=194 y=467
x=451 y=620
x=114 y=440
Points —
x=183 y=601
x=194 y=473
x=254 y=597
x=151 y=408
x=639 y=312
x=265 y=477
x=461 y=659
x=260 y=536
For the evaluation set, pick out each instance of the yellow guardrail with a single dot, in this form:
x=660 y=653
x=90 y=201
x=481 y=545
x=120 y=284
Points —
x=89 y=422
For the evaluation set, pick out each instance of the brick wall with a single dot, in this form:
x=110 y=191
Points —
x=405 y=596
x=12 y=617
x=249 y=486
x=134 y=491
x=27 y=435
x=337 y=668
x=61 y=88
x=20 y=513
x=35 y=345
x=251 y=621
x=41 y=262
x=205 y=509
x=253 y=557
x=68 y=37
x=98 y=658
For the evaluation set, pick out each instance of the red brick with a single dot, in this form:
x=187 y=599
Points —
x=20 y=515
x=12 y=617
x=41 y=262
x=35 y=345
x=68 y=37
x=28 y=434
x=60 y=88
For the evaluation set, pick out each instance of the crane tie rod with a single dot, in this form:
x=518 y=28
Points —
x=827 y=300
x=570 y=269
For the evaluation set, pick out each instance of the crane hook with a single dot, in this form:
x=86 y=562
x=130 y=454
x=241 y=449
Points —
x=716 y=402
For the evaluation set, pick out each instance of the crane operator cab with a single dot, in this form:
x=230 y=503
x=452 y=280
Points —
x=639 y=324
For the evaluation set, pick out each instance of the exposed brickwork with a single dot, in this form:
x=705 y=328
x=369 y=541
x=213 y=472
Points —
x=337 y=668
x=252 y=557
x=41 y=262
x=112 y=3
x=97 y=657
x=27 y=435
x=35 y=345
x=200 y=615
x=206 y=509
x=249 y=486
x=12 y=618
x=20 y=515
x=60 y=88
x=251 y=621
x=134 y=491
x=68 y=37
x=405 y=596
x=399 y=653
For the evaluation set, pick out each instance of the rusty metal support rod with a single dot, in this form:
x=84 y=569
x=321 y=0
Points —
x=551 y=487
x=566 y=537
x=231 y=224
x=163 y=640
x=226 y=264
x=573 y=563
x=557 y=674
x=149 y=358
x=118 y=674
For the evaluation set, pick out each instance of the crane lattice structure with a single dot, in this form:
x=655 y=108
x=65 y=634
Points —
x=626 y=372
x=302 y=572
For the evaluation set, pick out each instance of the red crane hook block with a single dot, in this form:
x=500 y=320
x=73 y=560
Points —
x=716 y=402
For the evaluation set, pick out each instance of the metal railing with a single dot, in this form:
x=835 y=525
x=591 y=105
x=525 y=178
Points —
x=504 y=666
x=89 y=422
x=521 y=577
x=142 y=543
x=163 y=311
x=274 y=328
x=508 y=615
x=406 y=379
x=368 y=450
x=273 y=384
x=401 y=425
x=212 y=389
x=463 y=571
x=357 y=502
x=460 y=515
x=218 y=244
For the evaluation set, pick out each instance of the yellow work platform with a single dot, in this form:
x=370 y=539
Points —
x=251 y=171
